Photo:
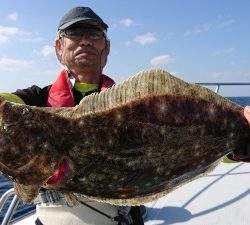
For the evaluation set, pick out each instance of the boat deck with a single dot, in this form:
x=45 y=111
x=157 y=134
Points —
x=222 y=198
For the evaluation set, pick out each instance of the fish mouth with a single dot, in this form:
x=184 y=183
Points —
x=28 y=192
x=63 y=171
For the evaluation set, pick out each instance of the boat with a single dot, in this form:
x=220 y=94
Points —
x=221 y=197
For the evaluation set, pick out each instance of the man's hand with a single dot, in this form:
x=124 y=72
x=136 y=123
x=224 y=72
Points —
x=243 y=154
x=247 y=113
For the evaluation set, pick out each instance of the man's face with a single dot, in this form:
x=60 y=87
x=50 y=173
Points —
x=83 y=49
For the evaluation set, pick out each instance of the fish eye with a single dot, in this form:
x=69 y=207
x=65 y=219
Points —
x=7 y=176
x=11 y=178
x=2 y=173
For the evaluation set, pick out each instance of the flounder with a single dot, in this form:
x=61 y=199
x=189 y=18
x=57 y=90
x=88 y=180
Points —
x=132 y=144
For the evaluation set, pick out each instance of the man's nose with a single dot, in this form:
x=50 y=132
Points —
x=85 y=41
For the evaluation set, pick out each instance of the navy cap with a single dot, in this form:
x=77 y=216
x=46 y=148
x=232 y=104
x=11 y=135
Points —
x=81 y=14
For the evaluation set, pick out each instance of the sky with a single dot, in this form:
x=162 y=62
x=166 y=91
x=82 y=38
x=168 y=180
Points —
x=195 y=40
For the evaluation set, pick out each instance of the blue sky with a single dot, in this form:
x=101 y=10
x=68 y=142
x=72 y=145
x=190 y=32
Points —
x=196 y=40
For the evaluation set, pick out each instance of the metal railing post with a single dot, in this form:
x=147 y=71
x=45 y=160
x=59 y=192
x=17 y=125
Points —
x=217 y=89
x=12 y=207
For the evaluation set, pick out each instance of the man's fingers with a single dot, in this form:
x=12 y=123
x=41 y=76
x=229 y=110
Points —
x=247 y=113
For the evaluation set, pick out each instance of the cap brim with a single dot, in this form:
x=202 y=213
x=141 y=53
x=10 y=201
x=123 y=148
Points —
x=85 y=20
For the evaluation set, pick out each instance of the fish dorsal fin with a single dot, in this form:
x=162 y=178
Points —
x=147 y=83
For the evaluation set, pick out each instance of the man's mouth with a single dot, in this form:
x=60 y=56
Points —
x=85 y=55
x=59 y=173
x=85 y=52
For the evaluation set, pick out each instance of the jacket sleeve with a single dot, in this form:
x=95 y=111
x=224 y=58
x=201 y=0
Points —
x=12 y=98
x=34 y=95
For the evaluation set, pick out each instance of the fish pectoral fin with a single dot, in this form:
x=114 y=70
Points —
x=71 y=199
x=27 y=193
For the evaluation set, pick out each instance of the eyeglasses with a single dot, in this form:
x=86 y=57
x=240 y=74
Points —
x=79 y=33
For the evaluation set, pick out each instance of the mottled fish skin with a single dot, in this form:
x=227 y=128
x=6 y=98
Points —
x=132 y=144
x=27 y=148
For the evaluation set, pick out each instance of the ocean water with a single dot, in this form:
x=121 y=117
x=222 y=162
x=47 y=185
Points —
x=23 y=209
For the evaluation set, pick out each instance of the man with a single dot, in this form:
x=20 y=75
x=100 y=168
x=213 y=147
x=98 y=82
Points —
x=82 y=47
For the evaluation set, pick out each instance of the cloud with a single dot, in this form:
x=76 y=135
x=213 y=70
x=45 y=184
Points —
x=45 y=51
x=13 y=16
x=8 y=64
x=222 y=52
x=198 y=30
x=6 y=32
x=208 y=27
x=34 y=39
x=162 y=60
x=145 y=39
x=3 y=38
x=45 y=73
x=224 y=23
x=127 y=22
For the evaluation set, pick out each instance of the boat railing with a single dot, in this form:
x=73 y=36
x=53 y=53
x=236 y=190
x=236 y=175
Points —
x=12 y=207
x=219 y=84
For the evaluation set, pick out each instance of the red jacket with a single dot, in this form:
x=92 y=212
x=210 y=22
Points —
x=61 y=94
